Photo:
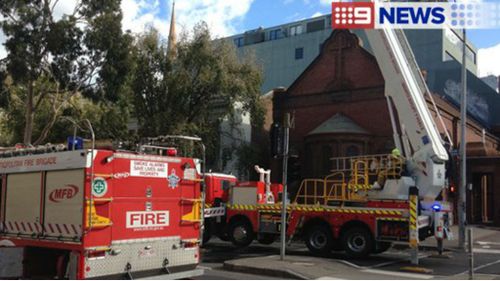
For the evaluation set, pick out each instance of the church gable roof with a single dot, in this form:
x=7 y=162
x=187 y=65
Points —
x=339 y=124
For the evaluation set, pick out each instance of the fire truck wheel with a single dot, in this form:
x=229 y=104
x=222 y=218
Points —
x=267 y=239
x=241 y=233
x=357 y=242
x=319 y=240
x=207 y=234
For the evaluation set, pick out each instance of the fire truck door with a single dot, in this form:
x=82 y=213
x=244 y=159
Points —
x=22 y=204
x=64 y=203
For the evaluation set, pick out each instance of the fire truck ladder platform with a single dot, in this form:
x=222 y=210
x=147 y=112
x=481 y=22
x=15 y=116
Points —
x=351 y=180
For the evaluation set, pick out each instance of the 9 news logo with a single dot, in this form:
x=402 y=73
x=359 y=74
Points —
x=415 y=15
x=353 y=15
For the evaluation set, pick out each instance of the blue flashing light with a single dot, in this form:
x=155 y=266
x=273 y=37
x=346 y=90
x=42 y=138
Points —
x=76 y=143
x=436 y=207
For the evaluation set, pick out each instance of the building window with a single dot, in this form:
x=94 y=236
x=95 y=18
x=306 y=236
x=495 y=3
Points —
x=296 y=30
x=448 y=57
x=226 y=185
x=326 y=164
x=239 y=42
x=299 y=53
x=352 y=151
x=315 y=26
x=328 y=22
x=471 y=55
x=275 y=34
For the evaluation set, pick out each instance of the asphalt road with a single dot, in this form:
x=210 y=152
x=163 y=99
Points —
x=487 y=261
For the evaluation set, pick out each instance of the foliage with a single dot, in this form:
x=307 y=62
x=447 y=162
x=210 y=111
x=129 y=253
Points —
x=109 y=120
x=82 y=66
x=51 y=60
x=192 y=92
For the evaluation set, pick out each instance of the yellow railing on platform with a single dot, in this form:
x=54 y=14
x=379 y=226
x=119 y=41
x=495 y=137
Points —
x=351 y=176
x=320 y=191
x=373 y=164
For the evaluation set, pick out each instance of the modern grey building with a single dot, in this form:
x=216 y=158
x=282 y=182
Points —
x=492 y=81
x=286 y=50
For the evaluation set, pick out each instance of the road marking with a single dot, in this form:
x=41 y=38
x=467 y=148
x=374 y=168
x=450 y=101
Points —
x=480 y=267
x=359 y=267
x=487 y=243
x=399 y=274
x=350 y=264
x=486 y=265
x=205 y=267
x=486 y=251
x=420 y=256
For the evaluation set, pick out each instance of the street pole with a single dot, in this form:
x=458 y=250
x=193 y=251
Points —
x=286 y=137
x=462 y=200
x=471 y=253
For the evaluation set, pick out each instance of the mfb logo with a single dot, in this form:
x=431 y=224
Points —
x=67 y=192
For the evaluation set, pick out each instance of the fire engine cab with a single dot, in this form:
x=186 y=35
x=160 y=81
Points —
x=99 y=213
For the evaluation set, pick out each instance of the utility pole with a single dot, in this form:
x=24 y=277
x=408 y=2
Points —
x=462 y=200
x=284 y=197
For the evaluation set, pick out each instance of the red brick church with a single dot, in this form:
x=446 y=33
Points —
x=340 y=110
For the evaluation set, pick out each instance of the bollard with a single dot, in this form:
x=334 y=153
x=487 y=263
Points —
x=471 y=253
x=413 y=204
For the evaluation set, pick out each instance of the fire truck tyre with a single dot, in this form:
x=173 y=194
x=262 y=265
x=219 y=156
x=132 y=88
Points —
x=267 y=239
x=357 y=242
x=319 y=240
x=207 y=233
x=381 y=247
x=241 y=233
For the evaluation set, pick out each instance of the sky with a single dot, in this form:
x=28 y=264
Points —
x=228 y=17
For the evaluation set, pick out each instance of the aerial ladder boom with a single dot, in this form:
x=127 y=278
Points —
x=405 y=87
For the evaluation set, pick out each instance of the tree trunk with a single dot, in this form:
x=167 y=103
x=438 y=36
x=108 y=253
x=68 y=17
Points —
x=29 y=116
x=45 y=132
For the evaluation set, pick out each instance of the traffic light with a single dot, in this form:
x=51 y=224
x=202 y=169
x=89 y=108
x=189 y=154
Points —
x=276 y=140
x=452 y=191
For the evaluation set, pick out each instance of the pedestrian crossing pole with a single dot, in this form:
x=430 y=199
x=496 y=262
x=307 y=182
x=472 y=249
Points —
x=286 y=137
x=413 y=204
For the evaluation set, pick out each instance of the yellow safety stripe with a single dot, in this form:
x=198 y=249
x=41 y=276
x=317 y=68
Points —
x=413 y=214
x=393 y=219
x=357 y=187
x=312 y=208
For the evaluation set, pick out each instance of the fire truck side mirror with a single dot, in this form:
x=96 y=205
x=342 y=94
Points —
x=276 y=140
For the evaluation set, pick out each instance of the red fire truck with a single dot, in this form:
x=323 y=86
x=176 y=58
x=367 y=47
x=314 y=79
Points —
x=332 y=213
x=99 y=213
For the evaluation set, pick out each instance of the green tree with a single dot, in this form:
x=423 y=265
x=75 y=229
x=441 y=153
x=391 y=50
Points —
x=108 y=119
x=192 y=92
x=51 y=60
